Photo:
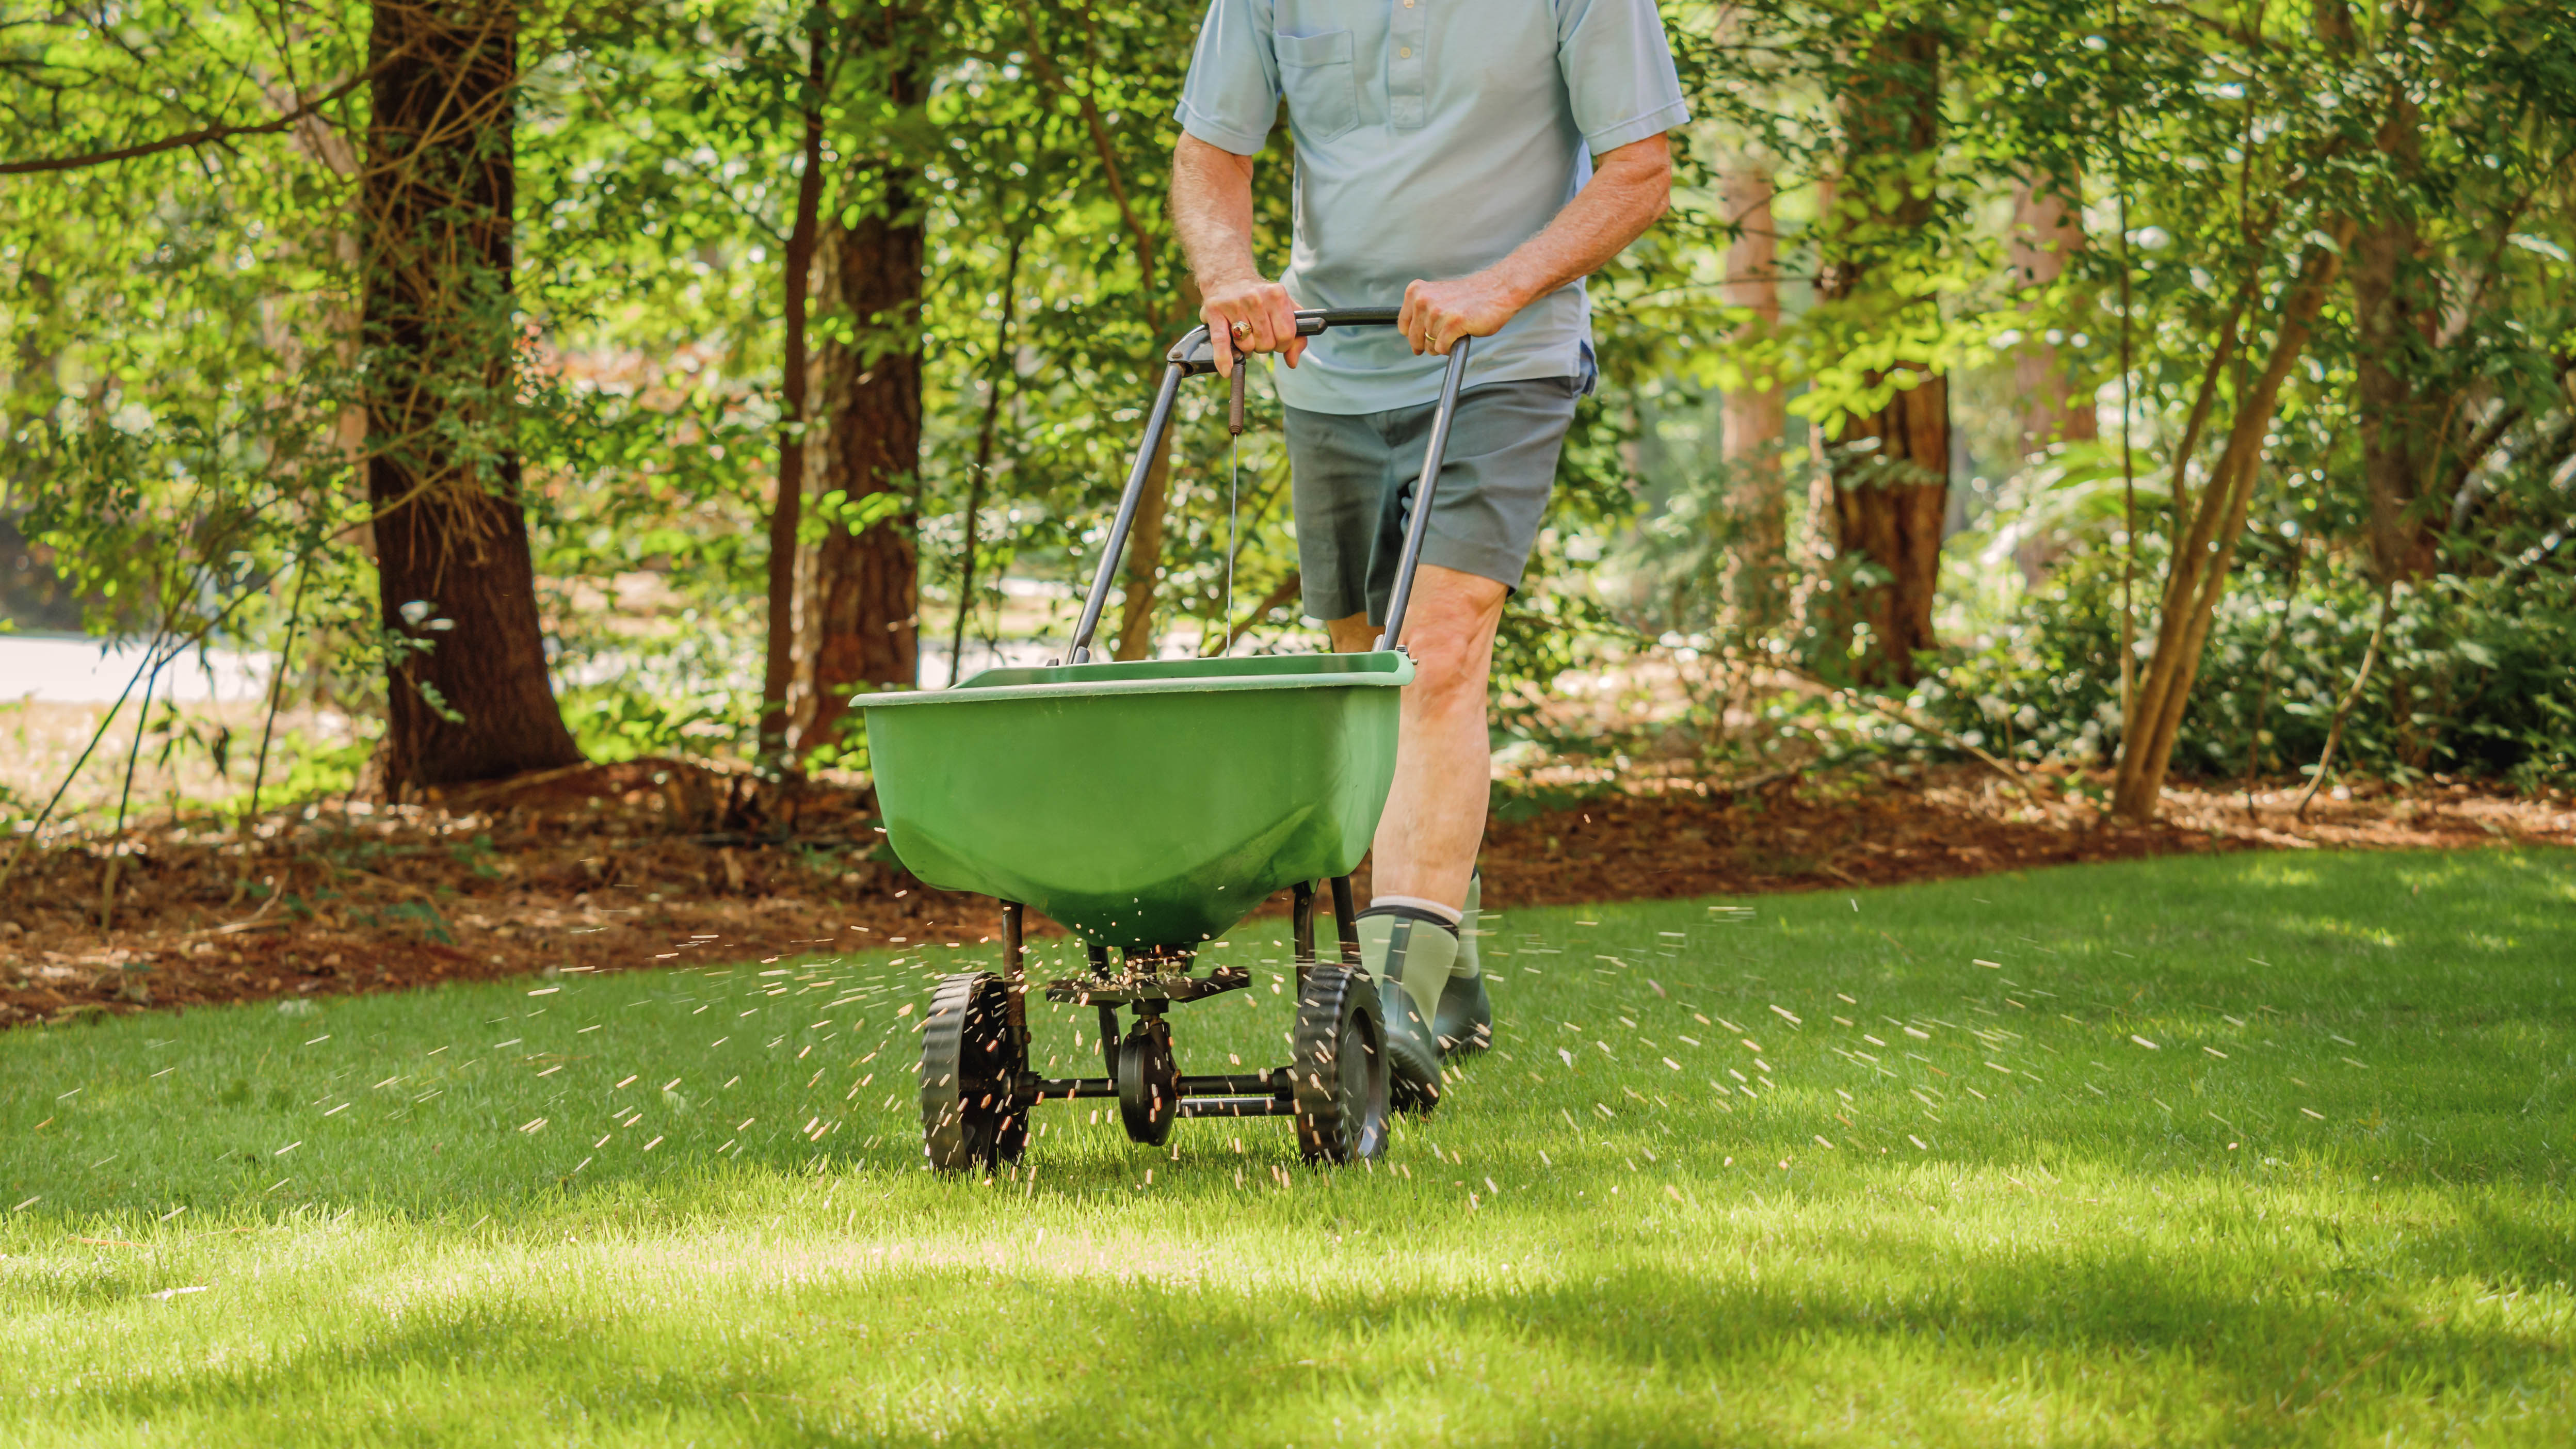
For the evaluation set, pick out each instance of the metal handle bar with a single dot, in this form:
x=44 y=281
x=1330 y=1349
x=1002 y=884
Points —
x=1198 y=354
x=1194 y=355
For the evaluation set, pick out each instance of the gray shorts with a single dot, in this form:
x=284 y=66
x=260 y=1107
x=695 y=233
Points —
x=1352 y=477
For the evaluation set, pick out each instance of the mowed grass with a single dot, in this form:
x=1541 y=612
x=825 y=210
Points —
x=2242 y=1150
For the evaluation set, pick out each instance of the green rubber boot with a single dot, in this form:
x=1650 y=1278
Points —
x=1464 y=1024
x=1409 y=953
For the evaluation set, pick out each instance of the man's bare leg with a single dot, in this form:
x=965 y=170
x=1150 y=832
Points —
x=1425 y=851
x=1435 y=814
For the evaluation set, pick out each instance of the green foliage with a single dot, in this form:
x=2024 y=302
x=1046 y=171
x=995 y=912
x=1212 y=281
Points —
x=2472 y=678
x=182 y=358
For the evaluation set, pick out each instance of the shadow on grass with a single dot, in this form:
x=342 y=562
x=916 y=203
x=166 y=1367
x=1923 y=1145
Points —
x=862 y=1348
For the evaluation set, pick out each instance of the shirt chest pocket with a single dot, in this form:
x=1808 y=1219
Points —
x=1321 y=82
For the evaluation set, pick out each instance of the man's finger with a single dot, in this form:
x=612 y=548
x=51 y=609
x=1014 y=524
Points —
x=1221 y=337
x=1404 y=318
x=1283 y=321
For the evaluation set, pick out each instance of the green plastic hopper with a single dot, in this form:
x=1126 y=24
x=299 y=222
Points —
x=1149 y=805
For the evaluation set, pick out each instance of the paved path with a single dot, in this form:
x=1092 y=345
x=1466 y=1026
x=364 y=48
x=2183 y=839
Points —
x=59 y=669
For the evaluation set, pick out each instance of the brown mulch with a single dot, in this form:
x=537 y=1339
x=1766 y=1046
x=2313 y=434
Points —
x=631 y=865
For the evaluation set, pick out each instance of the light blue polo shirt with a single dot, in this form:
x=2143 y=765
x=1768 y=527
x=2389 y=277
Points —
x=1432 y=137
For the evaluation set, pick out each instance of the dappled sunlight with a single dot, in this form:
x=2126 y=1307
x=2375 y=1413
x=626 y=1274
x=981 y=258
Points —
x=1969 y=1154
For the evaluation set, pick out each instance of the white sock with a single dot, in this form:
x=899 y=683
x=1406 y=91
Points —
x=1451 y=914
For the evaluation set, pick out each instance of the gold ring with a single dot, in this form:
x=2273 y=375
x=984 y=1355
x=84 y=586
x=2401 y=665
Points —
x=1242 y=329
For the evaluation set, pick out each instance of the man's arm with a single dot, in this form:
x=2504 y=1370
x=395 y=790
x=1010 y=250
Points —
x=1212 y=211
x=1631 y=185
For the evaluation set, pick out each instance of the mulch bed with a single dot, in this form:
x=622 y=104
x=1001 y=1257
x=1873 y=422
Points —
x=634 y=865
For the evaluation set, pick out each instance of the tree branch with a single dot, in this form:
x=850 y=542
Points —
x=1108 y=161
x=203 y=135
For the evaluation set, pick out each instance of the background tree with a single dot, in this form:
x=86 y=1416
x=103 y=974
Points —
x=865 y=594
x=1890 y=456
x=468 y=696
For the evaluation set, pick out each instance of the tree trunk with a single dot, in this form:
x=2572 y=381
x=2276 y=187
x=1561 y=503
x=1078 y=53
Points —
x=1145 y=545
x=2196 y=573
x=1144 y=560
x=2394 y=422
x=999 y=369
x=2391 y=326
x=2047 y=232
x=1889 y=502
x=1757 y=418
x=867 y=452
x=468 y=698
x=787 y=507
x=1891 y=467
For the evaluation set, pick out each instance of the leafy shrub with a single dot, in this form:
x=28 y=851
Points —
x=2473 y=676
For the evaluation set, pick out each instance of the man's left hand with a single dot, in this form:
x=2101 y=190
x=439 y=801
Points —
x=1437 y=314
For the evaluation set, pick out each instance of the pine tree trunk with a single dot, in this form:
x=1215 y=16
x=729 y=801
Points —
x=1891 y=467
x=2047 y=232
x=1757 y=418
x=787 y=504
x=866 y=595
x=470 y=699
x=1889 y=503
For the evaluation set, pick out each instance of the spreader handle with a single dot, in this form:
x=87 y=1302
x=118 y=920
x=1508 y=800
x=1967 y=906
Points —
x=1193 y=355
x=1418 y=526
x=1155 y=423
x=1197 y=353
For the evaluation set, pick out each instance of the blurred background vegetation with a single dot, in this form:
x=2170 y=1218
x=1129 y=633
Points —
x=2123 y=388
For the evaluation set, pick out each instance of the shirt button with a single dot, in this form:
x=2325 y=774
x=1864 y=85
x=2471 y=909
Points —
x=1407 y=52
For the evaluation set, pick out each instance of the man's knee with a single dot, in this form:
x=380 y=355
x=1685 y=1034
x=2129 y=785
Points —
x=1449 y=631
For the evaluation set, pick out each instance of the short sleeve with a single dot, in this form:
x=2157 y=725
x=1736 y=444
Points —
x=1232 y=93
x=1618 y=71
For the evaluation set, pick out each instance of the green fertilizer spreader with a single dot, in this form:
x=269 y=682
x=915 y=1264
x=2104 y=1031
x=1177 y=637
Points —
x=1147 y=807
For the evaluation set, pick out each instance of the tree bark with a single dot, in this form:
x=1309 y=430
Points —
x=1757 y=418
x=2392 y=325
x=2394 y=421
x=468 y=697
x=787 y=507
x=1891 y=467
x=1144 y=560
x=1889 y=503
x=867 y=580
x=2046 y=234
x=1145 y=545
x=999 y=369
x=2196 y=573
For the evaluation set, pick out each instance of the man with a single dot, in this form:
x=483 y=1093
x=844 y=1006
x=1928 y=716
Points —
x=1476 y=158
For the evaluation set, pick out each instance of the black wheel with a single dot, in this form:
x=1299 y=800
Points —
x=1340 y=1067
x=1149 y=1083
x=970 y=1068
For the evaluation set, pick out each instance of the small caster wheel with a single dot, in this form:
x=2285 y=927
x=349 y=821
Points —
x=1339 y=1067
x=1149 y=1083
x=971 y=1117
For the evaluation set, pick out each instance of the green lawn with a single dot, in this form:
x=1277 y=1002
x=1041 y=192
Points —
x=2242 y=1150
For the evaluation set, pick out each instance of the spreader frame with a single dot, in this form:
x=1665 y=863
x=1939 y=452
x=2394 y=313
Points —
x=1337 y=1087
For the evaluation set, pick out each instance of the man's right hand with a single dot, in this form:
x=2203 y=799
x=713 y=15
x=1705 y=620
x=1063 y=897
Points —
x=1212 y=211
x=1251 y=316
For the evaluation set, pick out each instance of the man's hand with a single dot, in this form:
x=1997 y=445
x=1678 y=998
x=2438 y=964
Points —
x=1628 y=190
x=1250 y=315
x=1212 y=210
x=1437 y=314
